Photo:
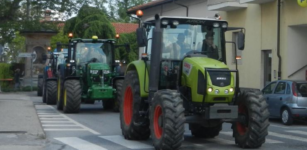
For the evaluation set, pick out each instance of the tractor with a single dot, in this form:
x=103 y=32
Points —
x=49 y=77
x=89 y=73
x=183 y=78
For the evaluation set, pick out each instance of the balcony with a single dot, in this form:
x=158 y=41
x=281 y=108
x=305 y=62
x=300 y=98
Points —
x=256 y=1
x=225 y=5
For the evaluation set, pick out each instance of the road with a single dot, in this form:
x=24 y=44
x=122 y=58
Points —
x=96 y=129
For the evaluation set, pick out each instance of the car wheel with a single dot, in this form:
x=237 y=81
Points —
x=286 y=117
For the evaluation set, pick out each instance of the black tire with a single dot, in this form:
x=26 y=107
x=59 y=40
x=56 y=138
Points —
x=59 y=101
x=286 y=116
x=119 y=87
x=200 y=131
x=44 y=93
x=167 y=120
x=51 y=92
x=40 y=85
x=253 y=132
x=134 y=125
x=72 y=96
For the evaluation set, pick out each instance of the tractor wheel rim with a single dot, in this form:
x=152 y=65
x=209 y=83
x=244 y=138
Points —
x=241 y=128
x=285 y=116
x=157 y=127
x=59 y=90
x=65 y=97
x=128 y=104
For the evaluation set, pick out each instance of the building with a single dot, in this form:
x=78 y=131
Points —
x=265 y=58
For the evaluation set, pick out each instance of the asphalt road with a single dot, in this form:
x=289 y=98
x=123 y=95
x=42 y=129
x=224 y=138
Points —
x=96 y=129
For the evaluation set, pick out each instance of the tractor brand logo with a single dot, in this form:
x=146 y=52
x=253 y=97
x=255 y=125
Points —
x=196 y=21
x=221 y=78
x=187 y=68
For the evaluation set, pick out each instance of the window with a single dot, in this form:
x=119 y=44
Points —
x=149 y=43
x=288 y=89
x=281 y=88
x=269 y=89
x=302 y=89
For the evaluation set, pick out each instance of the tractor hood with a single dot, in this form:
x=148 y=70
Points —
x=98 y=66
x=203 y=62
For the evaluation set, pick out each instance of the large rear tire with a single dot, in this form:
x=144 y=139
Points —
x=134 y=125
x=167 y=120
x=51 y=92
x=40 y=85
x=119 y=87
x=252 y=133
x=72 y=96
x=200 y=131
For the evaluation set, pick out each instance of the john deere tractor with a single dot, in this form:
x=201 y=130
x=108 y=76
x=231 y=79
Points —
x=88 y=75
x=183 y=78
x=49 y=77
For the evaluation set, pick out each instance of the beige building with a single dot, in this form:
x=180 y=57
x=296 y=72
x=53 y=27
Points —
x=260 y=62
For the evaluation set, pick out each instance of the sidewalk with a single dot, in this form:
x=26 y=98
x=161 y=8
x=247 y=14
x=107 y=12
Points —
x=20 y=128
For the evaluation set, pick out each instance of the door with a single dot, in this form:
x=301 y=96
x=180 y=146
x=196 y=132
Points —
x=278 y=98
x=267 y=66
x=268 y=94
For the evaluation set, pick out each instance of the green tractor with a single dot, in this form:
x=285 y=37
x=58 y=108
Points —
x=90 y=73
x=183 y=78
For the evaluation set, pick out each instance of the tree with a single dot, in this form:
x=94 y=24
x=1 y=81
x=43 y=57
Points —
x=60 y=37
x=90 y=21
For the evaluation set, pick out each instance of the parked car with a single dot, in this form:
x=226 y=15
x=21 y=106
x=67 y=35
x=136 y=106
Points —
x=287 y=100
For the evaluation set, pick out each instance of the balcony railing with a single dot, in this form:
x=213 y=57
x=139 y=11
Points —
x=225 y=5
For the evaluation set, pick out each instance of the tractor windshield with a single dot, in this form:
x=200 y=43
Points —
x=177 y=42
x=93 y=52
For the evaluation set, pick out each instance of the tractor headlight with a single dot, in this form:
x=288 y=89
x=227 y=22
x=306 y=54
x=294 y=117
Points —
x=226 y=91
x=106 y=71
x=164 y=22
x=217 y=91
x=72 y=61
x=210 y=90
x=231 y=90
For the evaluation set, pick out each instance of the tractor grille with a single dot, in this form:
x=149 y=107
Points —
x=220 y=79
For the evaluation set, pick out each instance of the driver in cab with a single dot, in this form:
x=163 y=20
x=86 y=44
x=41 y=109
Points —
x=179 y=48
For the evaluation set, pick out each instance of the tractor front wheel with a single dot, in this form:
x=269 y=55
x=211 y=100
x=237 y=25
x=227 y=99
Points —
x=252 y=132
x=72 y=96
x=51 y=92
x=119 y=87
x=167 y=120
x=134 y=125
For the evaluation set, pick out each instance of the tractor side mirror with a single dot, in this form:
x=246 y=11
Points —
x=58 y=47
x=141 y=37
x=241 y=40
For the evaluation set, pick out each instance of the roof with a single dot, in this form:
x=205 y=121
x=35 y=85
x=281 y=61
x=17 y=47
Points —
x=125 y=27
x=147 y=5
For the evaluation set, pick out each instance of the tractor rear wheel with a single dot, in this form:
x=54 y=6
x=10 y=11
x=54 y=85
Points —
x=200 y=131
x=72 y=96
x=134 y=125
x=40 y=85
x=44 y=93
x=119 y=87
x=59 y=95
x=51 y=92
x=253 y=107
x=167 y=120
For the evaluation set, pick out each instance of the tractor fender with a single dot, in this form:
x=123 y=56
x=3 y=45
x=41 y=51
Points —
x=140 y=66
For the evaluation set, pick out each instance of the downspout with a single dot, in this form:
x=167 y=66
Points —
x=278 y=40
x=182 y=6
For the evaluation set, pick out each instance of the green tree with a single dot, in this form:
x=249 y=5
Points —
x=60 y=37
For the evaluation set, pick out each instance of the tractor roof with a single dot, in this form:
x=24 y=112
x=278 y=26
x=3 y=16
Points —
x=179 y=17
x=92 y=40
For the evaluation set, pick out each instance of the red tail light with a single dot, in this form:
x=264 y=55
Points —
x=294 y=89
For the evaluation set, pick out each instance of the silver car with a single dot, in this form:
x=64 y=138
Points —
x=287 y=100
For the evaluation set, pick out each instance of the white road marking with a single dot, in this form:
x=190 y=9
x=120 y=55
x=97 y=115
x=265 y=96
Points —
x=79 y=144
x=290 y=137
x=274 y=125
x=297 y=132
x=77 y=123
x=126 y=143
x=46 y=113
x=63 y=121
x=59 y=119
x=59 y=125
x=65 y=129
x=267 y=140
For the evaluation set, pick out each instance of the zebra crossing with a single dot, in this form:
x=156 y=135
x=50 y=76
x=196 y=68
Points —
x=54 y=121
